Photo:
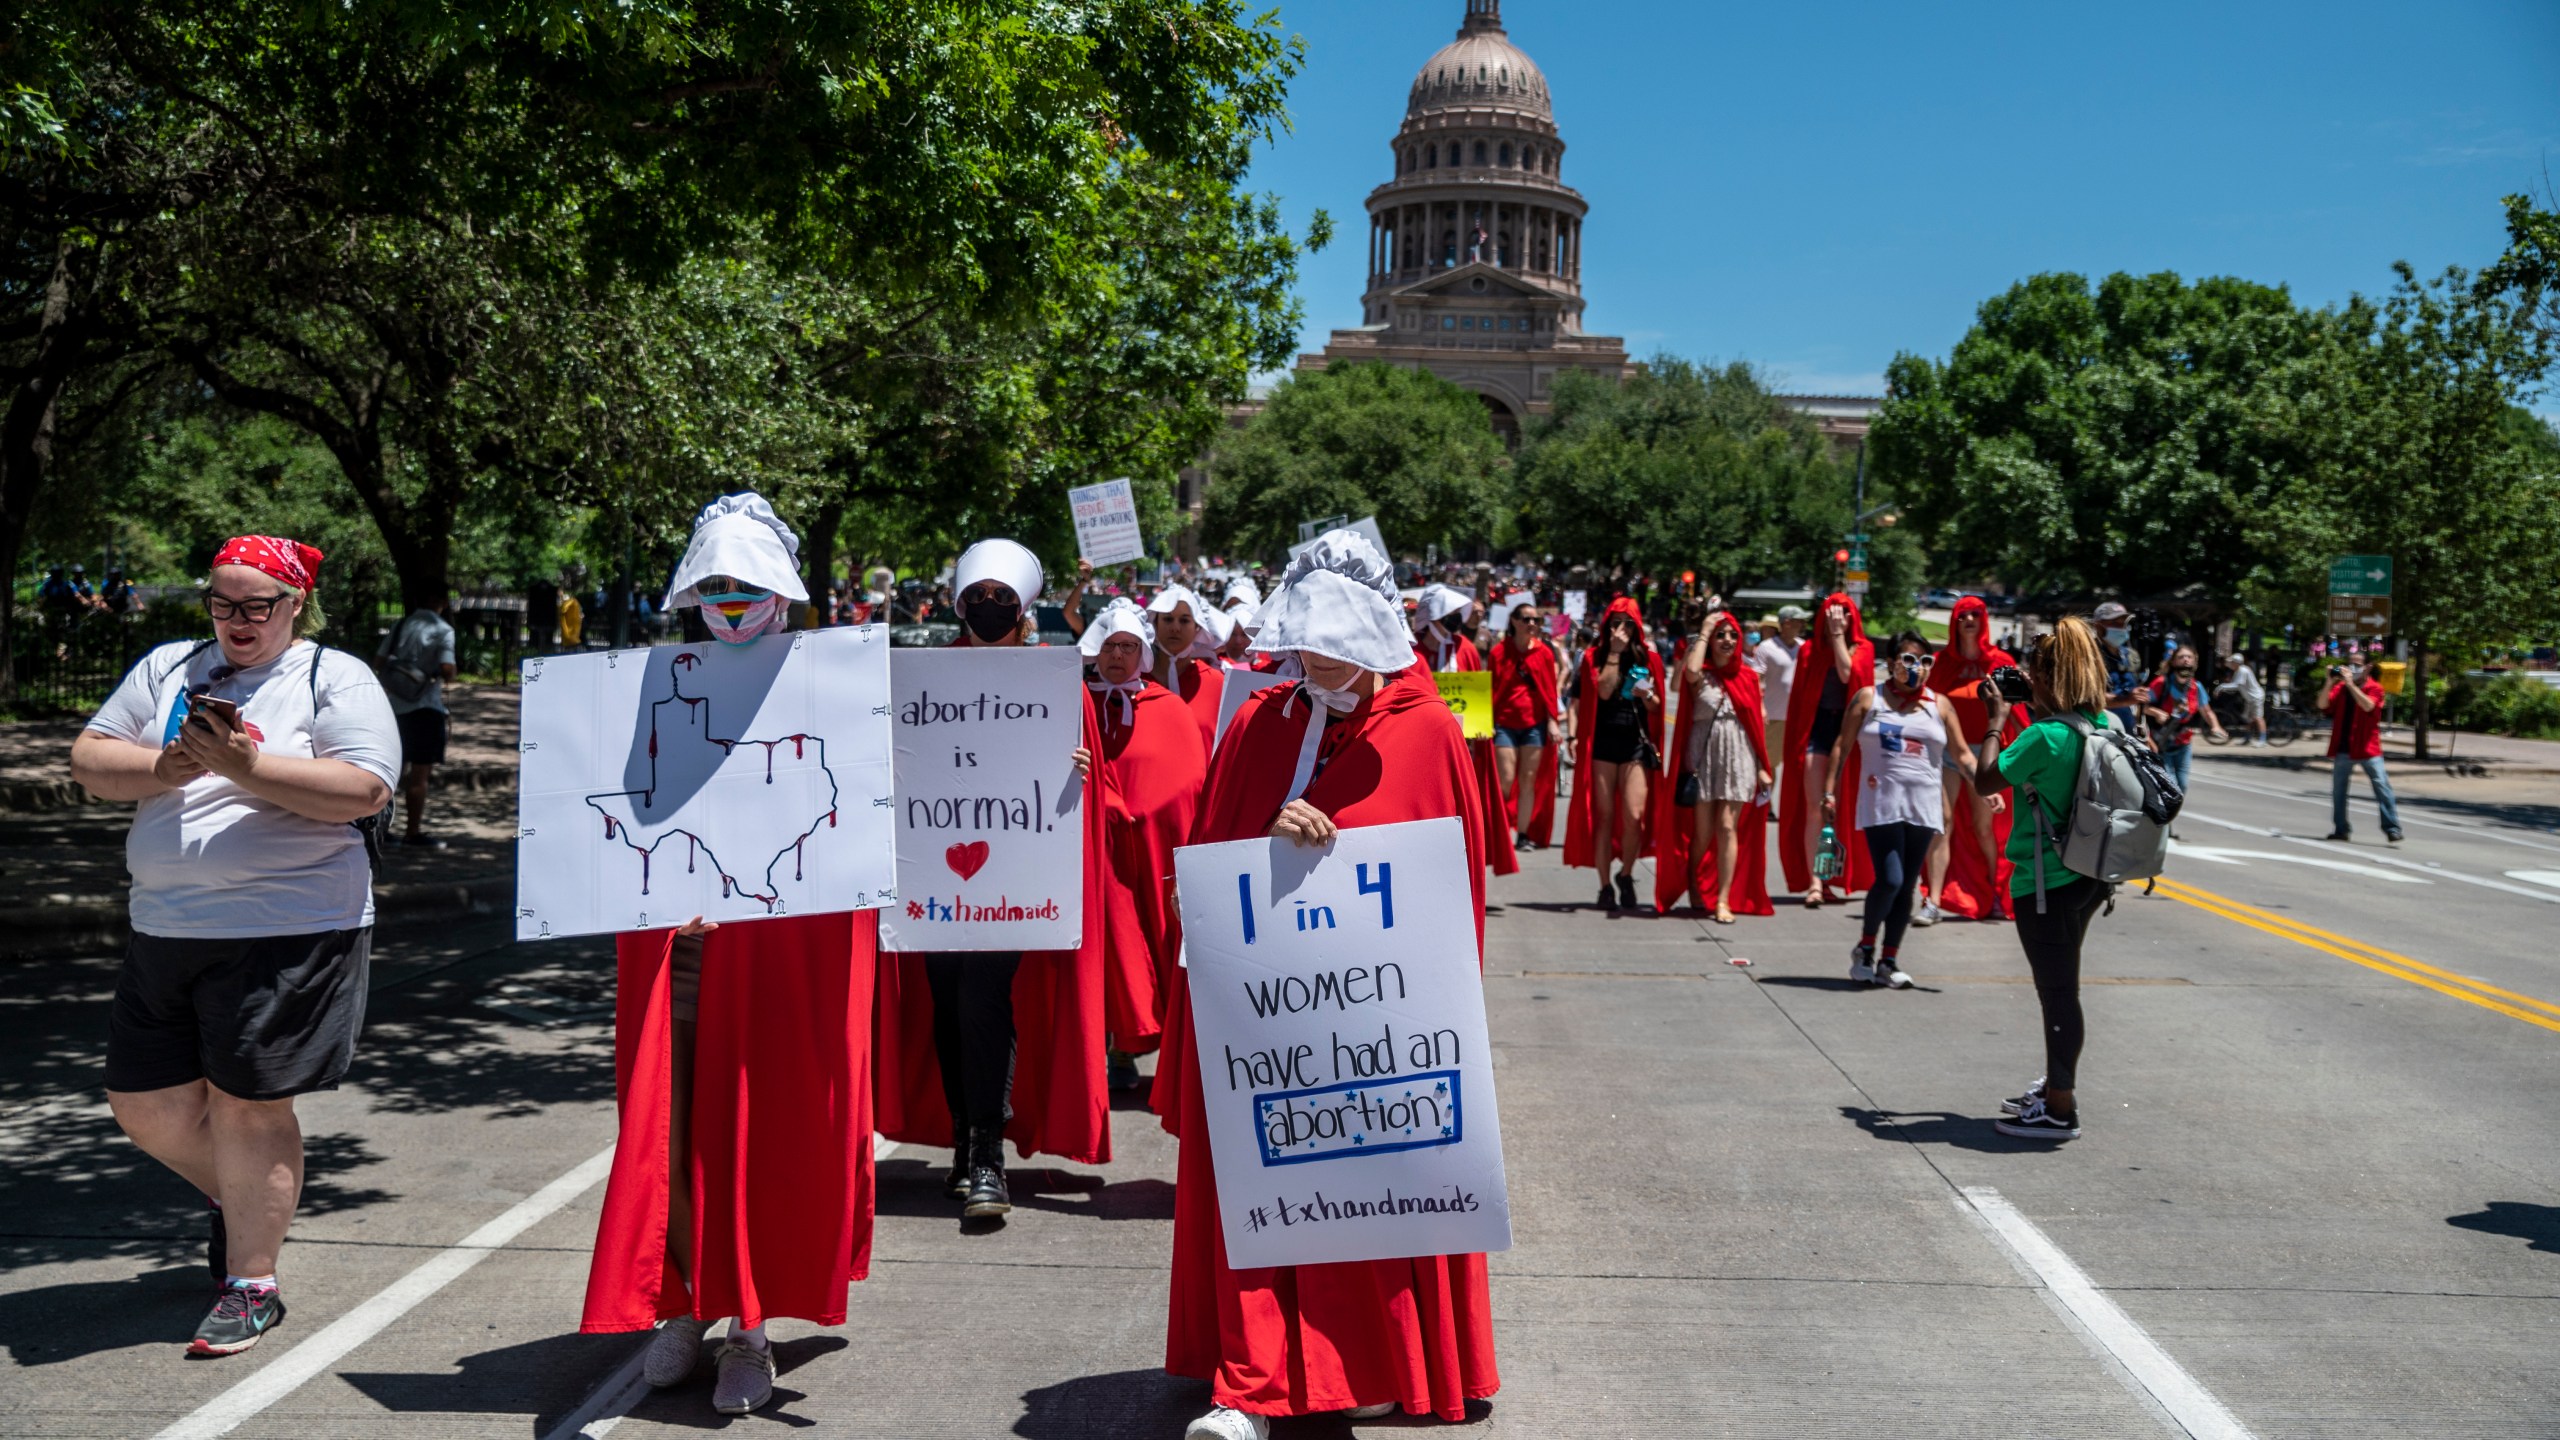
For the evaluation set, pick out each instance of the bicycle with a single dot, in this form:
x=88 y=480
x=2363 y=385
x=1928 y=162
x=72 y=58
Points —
x=2283 y=726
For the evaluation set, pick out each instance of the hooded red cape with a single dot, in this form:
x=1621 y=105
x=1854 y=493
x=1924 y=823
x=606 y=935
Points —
x=1578 y=849
x=1153 y=768
x=1203 y=684
x=1537 y=673
x=1977 y=884
x=1302 y=1339
x=781 y=1104
x=1856 y=873
x=1676 y=872
x=1494 y=817
x=1061 y=1102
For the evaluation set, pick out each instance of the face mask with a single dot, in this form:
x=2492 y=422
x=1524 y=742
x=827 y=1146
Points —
x=992 y=620
x=735 y=619
x=2186 y=672
x=2118 y=637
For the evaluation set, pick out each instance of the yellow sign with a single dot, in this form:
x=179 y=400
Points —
x=1470 y=697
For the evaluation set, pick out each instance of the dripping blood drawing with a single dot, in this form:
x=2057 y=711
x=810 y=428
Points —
x=762 y=837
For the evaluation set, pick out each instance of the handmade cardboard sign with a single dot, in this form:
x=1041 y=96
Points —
x=733 y=782
x=1240 y=686
x=990 y=811
x=1106 y=517
x=1338 y=1006
x=1469 y=694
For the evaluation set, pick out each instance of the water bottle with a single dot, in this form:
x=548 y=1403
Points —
x=1826 y=861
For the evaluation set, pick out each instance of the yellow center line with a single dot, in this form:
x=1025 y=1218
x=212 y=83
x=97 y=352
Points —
x=2399 y=967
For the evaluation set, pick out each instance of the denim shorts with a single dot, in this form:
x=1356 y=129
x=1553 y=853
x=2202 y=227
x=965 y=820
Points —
x=1528 y=737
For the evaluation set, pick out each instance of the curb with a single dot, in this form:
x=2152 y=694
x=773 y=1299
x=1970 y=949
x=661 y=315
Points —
x=31 y=932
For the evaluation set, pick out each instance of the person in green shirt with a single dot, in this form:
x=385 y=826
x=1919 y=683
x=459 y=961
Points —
x=2068 y=675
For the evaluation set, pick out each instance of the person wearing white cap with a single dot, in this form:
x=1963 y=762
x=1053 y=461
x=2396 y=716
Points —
x=1363 y=740
x=961 y=1007
x=761 y=1028
x=1153 y=762
x=1188 y=633
x=1243 y=604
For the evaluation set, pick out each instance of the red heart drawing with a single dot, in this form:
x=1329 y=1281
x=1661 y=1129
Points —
x=966 y=860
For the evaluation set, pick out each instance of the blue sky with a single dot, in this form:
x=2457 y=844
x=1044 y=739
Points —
x=1814 y=188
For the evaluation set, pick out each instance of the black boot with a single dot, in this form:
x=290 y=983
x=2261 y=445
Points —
x=956 y=1184
x=1626 y=891
x=987 y=1197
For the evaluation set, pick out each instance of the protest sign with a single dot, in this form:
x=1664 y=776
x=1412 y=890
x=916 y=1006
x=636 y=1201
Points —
x=1338 y=1006
x=1366 y=528
x=1469 y=696
x=731 y=782
x=990 y=811
x=1106 y=518
x=1576 y=603
x=1239 y=686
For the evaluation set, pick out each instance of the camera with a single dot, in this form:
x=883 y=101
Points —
x=2012 y=684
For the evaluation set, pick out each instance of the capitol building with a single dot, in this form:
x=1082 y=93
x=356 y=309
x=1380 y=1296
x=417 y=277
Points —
x=1475 y=246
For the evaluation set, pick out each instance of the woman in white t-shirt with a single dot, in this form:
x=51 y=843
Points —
x=252 y=755
x=1905 y=733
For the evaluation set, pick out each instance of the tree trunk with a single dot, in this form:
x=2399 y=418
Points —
x=26 y=447
x=818 y=554
x=2418 y=684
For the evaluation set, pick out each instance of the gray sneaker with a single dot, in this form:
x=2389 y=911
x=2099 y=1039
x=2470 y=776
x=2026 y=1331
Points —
x=745 y=1380
x=673 y=1352
x=1862 y=967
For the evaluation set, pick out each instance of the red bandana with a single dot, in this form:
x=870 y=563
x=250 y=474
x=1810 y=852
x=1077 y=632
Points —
x=290 y=561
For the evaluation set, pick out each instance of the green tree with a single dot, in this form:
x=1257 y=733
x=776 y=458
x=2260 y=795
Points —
x=2530 y=270
x=1366 y=439
x=2104 y=439
x=1687 y=467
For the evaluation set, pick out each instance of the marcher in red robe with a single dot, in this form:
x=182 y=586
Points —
x=1153 y=765
x=1968 y=869
x=1581 y=847
x=1365 y=1337
x=1056 y=1100
x=1817 y=703
x=1683 y=863
x=741 y=1181
x=1528 y=720
x=1187 y=633
x=1437 y=647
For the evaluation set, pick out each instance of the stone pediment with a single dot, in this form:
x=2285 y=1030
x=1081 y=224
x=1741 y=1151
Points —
x=1460 y=284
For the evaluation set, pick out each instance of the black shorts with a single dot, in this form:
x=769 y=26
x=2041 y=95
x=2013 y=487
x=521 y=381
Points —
x=261 y=1018
x=1825 y=732
x=1618 y=745
x=422 y=735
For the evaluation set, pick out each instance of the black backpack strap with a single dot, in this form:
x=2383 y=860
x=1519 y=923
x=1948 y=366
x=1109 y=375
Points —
x=184 y=661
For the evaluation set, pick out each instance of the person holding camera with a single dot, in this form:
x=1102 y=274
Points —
x=252 y=755
x=2066 y=673
x=2354 y=703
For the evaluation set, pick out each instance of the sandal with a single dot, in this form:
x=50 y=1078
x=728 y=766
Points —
x=1724 y=914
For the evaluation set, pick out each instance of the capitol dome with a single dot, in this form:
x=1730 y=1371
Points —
x=1481 y=70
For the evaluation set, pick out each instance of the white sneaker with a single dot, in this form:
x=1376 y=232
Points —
x=1890 y=974
x=745 y=1378
x=1371 y=1412
x=1862 y=965
x=1225 y=1424
x=1928 y=913
x=673 y=1352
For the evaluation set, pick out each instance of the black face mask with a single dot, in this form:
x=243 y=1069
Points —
x=992 y=620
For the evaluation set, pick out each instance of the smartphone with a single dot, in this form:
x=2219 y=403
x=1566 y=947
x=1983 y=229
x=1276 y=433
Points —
x=202 y=703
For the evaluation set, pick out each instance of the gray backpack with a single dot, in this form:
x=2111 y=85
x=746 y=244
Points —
x=2118 y=815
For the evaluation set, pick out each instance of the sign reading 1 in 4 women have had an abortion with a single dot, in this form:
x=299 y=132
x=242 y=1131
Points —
x=1338 y=1007
x=989 y=810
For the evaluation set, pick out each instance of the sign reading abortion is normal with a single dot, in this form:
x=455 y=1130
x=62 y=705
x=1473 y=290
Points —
x=733 y=782
x=1339 y=1011
x=990 y=810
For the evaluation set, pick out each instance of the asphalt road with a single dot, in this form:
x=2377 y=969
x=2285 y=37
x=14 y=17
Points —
x=2318 y=1194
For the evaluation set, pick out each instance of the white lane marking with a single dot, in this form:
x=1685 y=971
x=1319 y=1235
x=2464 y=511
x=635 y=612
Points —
x=2242 y=857
x=316 y=1353
x=2364 y=803
x=2432 y=872
x=2189 y=1404
x=2538 y=877
x=614 y=1399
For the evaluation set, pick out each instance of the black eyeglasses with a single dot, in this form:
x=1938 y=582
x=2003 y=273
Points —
x=257 y=611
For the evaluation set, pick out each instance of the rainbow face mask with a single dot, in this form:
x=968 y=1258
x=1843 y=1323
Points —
x=735 y=617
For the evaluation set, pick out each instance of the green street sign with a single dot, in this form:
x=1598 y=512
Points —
x=2360 y=575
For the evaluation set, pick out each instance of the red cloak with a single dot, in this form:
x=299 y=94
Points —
x=1578 y=849
x=1537 y=673
x=1977 y=884
x=1061 y=1102
x=1857 y=872
x=1203 y=685
x=1155 y=765
x=781 y=1137
x=1298 y=1340
x=1676 y=872
x=1493 y=815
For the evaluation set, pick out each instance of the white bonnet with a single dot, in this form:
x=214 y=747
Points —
x=739 y=536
